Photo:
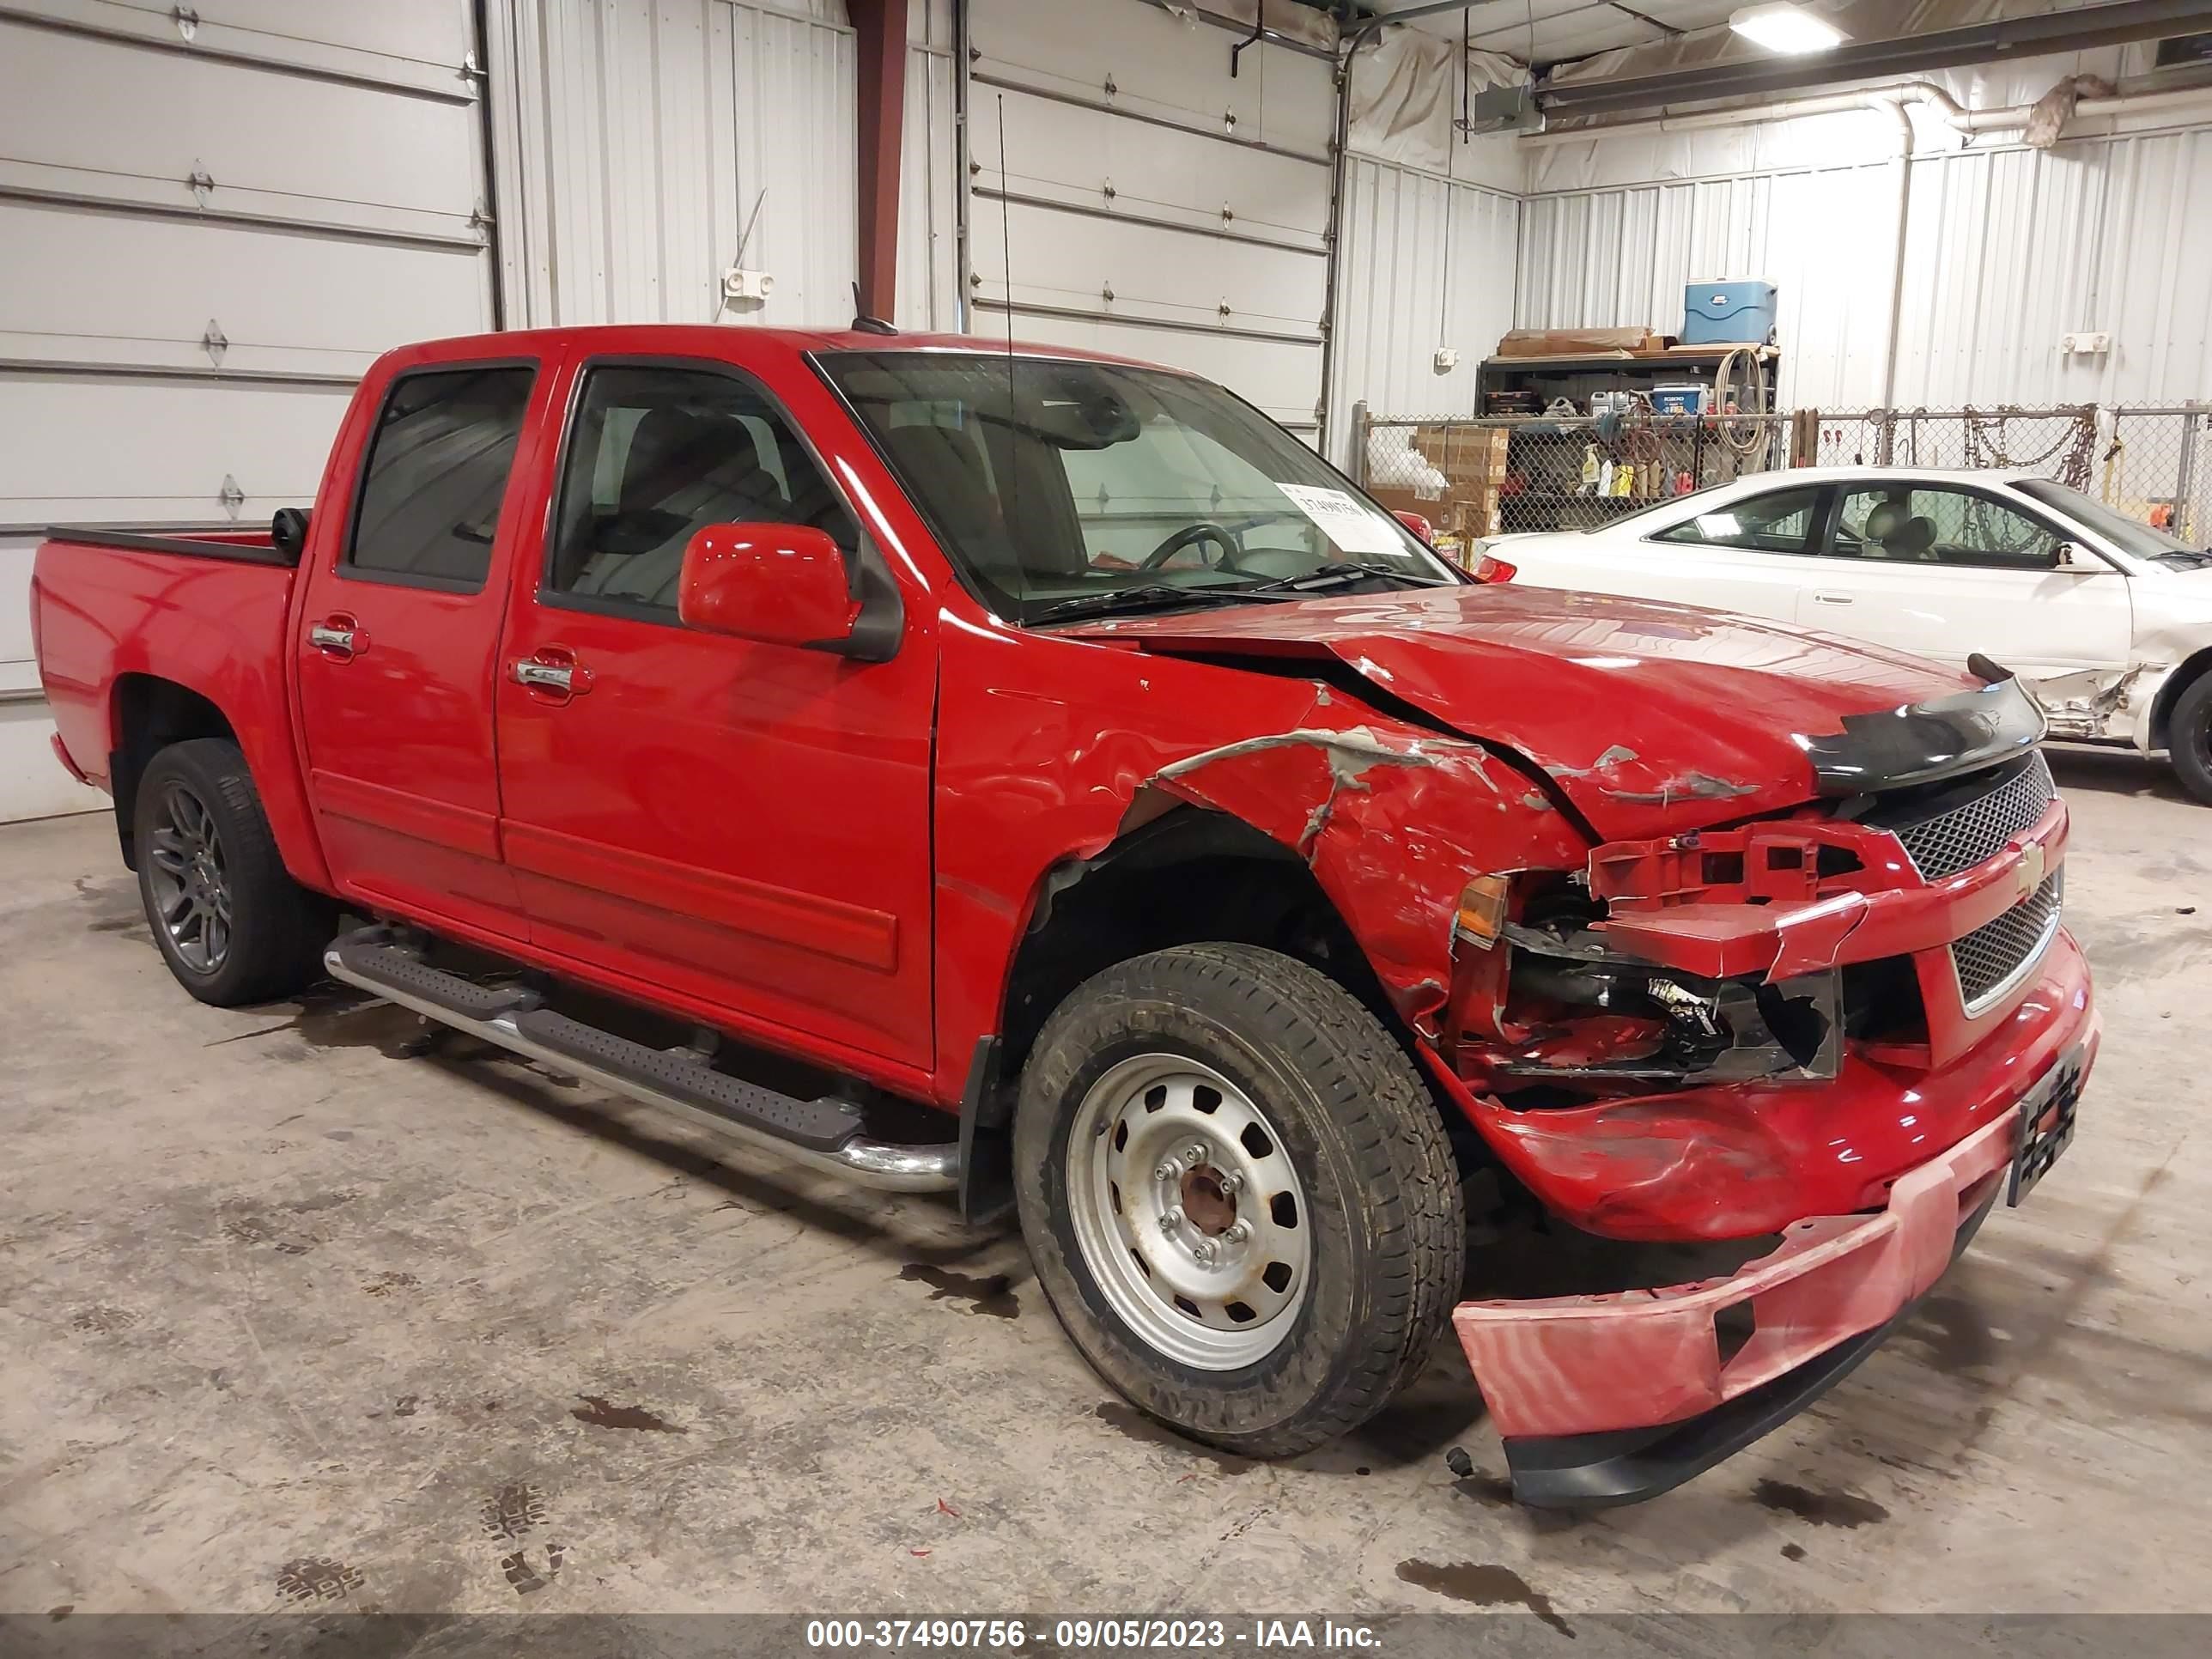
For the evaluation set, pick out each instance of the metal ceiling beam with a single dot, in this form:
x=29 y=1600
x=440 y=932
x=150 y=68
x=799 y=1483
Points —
x=2021 y=37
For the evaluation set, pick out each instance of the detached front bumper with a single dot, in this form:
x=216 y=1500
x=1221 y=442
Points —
x=1610 y=1399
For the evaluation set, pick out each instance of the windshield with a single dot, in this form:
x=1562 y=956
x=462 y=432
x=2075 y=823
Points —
x=1064 y=488
x=2129 y=535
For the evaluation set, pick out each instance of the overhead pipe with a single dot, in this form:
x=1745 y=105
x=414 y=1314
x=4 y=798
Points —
x=1970 y=123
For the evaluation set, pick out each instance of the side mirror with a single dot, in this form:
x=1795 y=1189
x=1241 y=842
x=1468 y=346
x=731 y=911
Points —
x=2070 y=555
x=287 y=532
x=779 y=584
x=1424 y=531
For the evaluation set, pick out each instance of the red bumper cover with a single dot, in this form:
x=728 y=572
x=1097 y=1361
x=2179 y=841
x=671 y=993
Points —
x=1585 y=1364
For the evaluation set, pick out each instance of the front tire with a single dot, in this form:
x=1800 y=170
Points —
x=232 y=924
x=1238 y=1195
x=2189 y=737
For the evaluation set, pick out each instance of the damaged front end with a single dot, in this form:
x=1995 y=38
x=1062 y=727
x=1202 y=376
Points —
x=1840 y=1025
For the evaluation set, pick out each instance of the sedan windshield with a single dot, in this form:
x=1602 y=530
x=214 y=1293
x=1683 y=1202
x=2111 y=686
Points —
x=1066 y=488
x=2130 y=535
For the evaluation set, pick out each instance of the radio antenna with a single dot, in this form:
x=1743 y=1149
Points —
x=1006 y=277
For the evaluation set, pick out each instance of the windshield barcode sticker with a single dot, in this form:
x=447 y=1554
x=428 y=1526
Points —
x=1354 y=527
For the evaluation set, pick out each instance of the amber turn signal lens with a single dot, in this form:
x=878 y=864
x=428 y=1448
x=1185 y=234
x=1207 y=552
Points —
x=1481 y=916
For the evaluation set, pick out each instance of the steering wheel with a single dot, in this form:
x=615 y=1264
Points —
x=1190 y=536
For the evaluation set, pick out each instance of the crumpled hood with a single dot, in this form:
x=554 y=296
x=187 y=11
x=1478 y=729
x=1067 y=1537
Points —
x=1650 y=718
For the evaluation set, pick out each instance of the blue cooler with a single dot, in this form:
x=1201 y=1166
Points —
x=1728 y=313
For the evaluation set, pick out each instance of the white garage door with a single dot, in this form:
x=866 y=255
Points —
x=1149 y=204
x=214 y=219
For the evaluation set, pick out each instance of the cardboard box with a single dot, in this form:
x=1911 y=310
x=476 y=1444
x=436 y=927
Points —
x=1430 y=508
x=1473 y=512
x=1472 y=455
x=1576 y=342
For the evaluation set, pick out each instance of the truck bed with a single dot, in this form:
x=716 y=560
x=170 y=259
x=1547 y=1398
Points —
x=117 y=615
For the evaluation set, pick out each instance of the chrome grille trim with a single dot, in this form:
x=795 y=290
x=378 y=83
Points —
x=1991 y=961
x=1970 y=834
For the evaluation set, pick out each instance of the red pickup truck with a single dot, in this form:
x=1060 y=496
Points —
x=779 y=726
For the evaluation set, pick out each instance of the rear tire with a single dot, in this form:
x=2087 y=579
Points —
x=2189 y=737
x=1273 y=1309
x=232 y=924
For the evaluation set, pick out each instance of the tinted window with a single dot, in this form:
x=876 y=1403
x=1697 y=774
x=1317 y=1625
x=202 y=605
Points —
x=656 y=454
x=1779 y=523
x=1910 y=524
x=437 y=467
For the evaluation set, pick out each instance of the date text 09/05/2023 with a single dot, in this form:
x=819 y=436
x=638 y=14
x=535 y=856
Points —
x=1013 y=1635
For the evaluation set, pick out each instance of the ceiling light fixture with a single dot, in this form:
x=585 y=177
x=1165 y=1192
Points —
x=1784 y=28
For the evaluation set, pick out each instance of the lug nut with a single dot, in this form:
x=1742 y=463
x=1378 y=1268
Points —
x=1231 y=1182
x=1204 y=1250
x=1237 y=1231
x=1167 y=1171
x=1194 y=1154
x=1171 y=1219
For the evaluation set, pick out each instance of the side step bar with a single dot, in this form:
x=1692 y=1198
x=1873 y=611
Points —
x=822 y=1135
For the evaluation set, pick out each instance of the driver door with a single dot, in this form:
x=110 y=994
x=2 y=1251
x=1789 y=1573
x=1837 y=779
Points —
x=744 y=825
x=1944 y=572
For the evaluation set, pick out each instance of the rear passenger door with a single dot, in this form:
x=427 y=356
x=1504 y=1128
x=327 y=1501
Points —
x=744 y=827
x=397 y=633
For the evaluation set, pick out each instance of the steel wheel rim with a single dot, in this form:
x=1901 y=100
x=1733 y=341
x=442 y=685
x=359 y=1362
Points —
x=190 y=888
x=1189 y=1212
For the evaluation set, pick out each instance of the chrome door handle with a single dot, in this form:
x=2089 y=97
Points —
x=1831 y=598
x=328 y=638
x=549 y=676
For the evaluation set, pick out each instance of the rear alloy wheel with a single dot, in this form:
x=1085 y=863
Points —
x=2189 y=737
x=189 y=893
x=232 y=924
x=1238 y=1194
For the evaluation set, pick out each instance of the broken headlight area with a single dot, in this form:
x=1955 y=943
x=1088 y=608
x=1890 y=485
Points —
x=1576 y=1014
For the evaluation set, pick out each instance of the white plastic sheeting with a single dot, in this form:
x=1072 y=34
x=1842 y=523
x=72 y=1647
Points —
x=1424 y=263
x=1404 y=92
x=637 y=142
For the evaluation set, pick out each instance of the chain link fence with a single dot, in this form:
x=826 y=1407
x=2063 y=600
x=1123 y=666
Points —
x=1492 y=475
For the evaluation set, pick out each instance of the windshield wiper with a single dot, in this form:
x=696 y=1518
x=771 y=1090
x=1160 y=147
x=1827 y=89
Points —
x=1144 y=596
x=1336 y=574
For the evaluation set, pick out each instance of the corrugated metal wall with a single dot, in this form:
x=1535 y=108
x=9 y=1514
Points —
x=2011 y=250
x=2006 y=251
x=928 y=234
x=1619 y=257
x=1423 y=263
x=642 y=141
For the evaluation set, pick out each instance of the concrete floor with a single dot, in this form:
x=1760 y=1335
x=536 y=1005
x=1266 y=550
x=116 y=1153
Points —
x=286 y=1319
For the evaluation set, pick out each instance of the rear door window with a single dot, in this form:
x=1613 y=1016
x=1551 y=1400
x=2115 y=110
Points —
x=436 y=469
x=1782 y=521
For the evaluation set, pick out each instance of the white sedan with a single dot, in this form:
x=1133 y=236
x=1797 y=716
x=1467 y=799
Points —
x=2108 y=619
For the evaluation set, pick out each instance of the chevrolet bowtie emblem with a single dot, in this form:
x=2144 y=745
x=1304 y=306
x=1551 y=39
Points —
x=2028 y=872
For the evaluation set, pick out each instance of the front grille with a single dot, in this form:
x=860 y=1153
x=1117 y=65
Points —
x=1994 y=958
x=1958 y=837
